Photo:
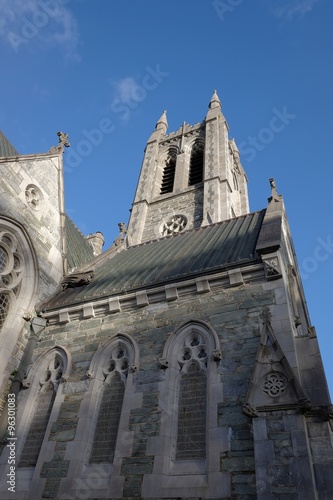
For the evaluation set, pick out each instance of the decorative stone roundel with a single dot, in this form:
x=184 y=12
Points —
x=174 y=225
x=33 y=196
x=274 y=384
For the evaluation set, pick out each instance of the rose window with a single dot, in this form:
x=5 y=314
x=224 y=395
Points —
x=11 y=271
x=174 y=225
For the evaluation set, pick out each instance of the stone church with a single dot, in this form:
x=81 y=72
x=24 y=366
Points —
x=181 y=362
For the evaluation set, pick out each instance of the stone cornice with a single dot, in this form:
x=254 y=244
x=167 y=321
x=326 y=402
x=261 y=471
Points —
x=148 y=296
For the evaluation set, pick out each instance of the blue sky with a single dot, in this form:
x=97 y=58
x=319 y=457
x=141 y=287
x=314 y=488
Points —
x=103 y=72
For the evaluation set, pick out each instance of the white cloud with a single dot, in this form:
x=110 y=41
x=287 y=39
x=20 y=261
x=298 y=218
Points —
x=126 y=95
x=126 y=89
x=51 y=23
x=294 y=9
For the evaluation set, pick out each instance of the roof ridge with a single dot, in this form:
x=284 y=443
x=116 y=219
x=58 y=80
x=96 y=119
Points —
x=186 y=231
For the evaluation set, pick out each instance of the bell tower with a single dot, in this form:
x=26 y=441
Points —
x=189 y=178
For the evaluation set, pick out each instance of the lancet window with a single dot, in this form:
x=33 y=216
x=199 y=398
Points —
x=115 y=372
x=49 y=382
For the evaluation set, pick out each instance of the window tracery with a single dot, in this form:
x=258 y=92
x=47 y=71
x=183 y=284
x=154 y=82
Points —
x=11 y=272
x=48 y=381
x=115 y=371
x=192 y=404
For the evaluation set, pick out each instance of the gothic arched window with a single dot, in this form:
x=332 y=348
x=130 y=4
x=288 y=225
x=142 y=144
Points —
x=192 y=403
x=49 y=380
x=196 y=164
x=169 y=172
x=190 y=441
x=115 y=372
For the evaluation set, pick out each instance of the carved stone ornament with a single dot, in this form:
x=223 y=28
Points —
x=174 y=225
x=217 y=355
x=304 y=405
x=272 y=268
x=77 y=279
x=122 y=234
x=274 y=384
x=34 y=197
x=164 y=363
x=249 y=410
x=327 y=412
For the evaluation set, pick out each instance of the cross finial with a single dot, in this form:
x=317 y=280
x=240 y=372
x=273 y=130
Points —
x=63 y=142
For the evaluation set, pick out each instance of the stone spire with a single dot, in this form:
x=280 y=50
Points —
x=215 y=108
x=162 y=123
x=215 y=101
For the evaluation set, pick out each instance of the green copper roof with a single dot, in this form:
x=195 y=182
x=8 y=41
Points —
x=174 y=258
x=79 y=250
x=6 y=148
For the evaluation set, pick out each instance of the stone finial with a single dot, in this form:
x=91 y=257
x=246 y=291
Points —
x=63 y=142
x=274 y=196
x=162 y=123
x=215 y=101
x=122 y=234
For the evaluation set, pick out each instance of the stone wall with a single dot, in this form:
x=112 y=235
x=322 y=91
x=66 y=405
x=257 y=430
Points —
x=234 y=316
x=144 y=447
x=189 y=204
x=29 y=193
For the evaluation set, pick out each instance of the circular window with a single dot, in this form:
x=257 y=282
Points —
x=3 y=259
x=174 y=225
x=4 y=307
x=34 y=197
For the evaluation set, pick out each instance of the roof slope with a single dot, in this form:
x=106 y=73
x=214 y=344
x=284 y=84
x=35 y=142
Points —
x=79 y=250
x=190 y=253
x=6 y=148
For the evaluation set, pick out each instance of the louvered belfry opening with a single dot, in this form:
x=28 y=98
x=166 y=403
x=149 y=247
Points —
x=196 y=164
x=169 y=173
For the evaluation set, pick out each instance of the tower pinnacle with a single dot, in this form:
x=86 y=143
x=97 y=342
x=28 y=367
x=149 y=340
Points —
x=162 y=123
x=215 y=101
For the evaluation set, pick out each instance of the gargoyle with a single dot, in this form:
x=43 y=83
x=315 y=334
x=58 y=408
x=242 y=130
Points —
x=77 y=279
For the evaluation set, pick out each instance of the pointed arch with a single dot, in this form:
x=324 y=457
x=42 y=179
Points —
x=43 y=380
x=110 y=367
x=18 y=262
x=169 y=171
x=191 y=440
x=19 y=278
